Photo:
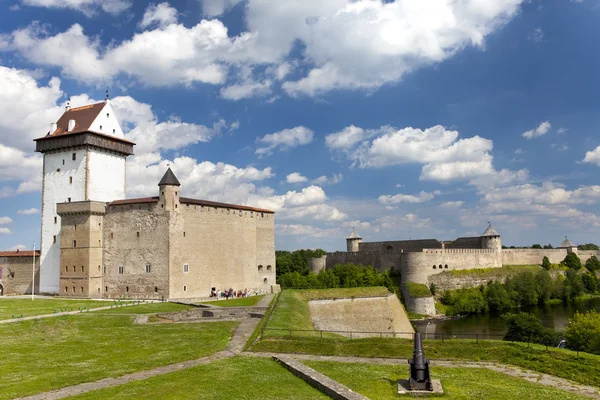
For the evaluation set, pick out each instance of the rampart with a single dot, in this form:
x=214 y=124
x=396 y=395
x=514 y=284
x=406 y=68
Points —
x=401 y=245
x=465 y=243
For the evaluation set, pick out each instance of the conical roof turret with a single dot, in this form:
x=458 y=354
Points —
x=566 y=243
x=169 y=178
x=354 y=235
x=490 y=231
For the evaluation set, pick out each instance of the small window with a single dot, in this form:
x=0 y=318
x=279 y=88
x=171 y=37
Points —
x=74 y=243
x=186 y=268
x=183 y=234
x=434 y=267
x=155 y=289
x=127 y=289
x=74 y=156
x=440 y=266
x=57 y=169
x=99 y=243
x=70 y=179
x=112 y=235
x=107 y=115
x=104 y=269
x=66 y=289
x=148 y=268
x=228 y=211
x=268 y=267
x=98 y=268
x=265 y=280
x=75 y=227
x=74 y=268
x=446 y=266
x=260 y=267
x=137 y=234
x=54 y=238
x=73 y=289
x=98 y=290
x=185 y=288
x=82 y=289
x=114 y=131
x=63 y=161
x=55 y=220
x=82 y=268
x=176 y=193
x=67 y=268
x=69 y=199
x=100 y=127
x=121 y=270
x=262 y=215
x=106 y=288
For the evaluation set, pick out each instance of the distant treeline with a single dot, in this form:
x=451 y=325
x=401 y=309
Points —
x=588 y=246
x=297 y=261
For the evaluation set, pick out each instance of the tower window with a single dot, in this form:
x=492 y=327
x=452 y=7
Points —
x=57 y=169
x=98 y=268
x=75 y=227
x=74 y=156
x=106 y=288
x=66 y=289
x=70 y=179
x=55 y=220
x=155 y=289
x=74 y=243
x=82 y=268
x=114 y=131
x=121 y=270
x=67 y=268
x=127 y=289
x=183 y=234
x=111 y=235
x=265 y=280
x=148 y=268
x=100 y=127
x=105 y=269
x=54 y=239
x=69 y=199
x=185 y=288
x=137 y=234
x=107 y=115
x=63 y=161
x=186 y=268
x=82 y=289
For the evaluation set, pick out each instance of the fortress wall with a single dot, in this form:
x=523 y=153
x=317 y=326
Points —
x=584 y=255
x=404 y=245
x=417 y=267
x=532 y=256
x=378 y=260
x=318 y=264
x=465 y=243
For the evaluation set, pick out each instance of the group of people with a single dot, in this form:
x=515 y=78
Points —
x=230 y=293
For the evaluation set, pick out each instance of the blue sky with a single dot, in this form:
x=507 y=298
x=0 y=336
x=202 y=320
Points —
x=404 y=119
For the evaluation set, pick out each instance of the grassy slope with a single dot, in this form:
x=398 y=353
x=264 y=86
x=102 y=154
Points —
x=495 y=273
x=28 y=307
x=146 y=308
x=241 y=302
x=234 y=378
x=562 y=363
x=379 y=382
x=46 y=354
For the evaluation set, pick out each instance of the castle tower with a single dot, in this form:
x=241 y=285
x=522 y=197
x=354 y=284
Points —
x=491 y=239
x=84 y=159
x=567 y=244
x=169 y=191
x=353 y=242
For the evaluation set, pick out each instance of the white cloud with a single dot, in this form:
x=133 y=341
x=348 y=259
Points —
x=246 y=89
x=283 y=140
x=311 y=195
x=593 y=156
x=16 y=165
x=559 y=147
x=402 y=222
x=541 y=130
x=18 y=247
x=295 y=177
x=324 y=180
x=406 y=198
x=5 y=231
x=28 y=211
x=161 y=14
x=214 y=8
x=537 y=35
x=451 y=205
x=5 y=220
x=304 y=230
x=547 y=193
x=87 y=7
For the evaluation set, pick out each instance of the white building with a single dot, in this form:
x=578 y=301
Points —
x=84 y=159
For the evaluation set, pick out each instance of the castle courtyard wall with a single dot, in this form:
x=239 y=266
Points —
x=16 y=274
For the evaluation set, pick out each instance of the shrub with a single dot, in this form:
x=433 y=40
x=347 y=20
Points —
x=465 y=301
x=590 y=282
x=525 y=327
x=417 y=289
x=546 y=263
x=592 y=264
x=523 y=289
x=497 y=297
x=536 y=246
x=572 y=261
x=573 y=285
x=433 y=288
x=583 y=332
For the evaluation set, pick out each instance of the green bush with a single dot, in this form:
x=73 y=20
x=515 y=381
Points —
x=464 y=301
x=583 y=332
x=572 y=261
x=573 y=285
x=590 y=282
x=546 y=263
x=592 y=264
x=497 y=297
x=525 y=327
x=417 y=289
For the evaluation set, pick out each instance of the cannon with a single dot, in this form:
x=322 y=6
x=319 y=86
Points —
x=419 y=367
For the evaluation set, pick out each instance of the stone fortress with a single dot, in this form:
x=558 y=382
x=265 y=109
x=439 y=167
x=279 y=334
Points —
x=418 y=260
x=96 y=243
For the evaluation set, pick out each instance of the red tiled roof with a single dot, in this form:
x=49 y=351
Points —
x=186 y=200
x=20 y=253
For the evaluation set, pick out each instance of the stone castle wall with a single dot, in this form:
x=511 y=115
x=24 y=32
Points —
x=401 y=245
x=16 y=274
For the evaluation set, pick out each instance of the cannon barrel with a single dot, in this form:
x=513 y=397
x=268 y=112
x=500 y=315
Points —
x=419 y=367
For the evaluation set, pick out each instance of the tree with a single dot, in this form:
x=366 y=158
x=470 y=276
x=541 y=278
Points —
x=548 y=246
x=497 y=297
x=572 y=261
x=522 y=289
x=546 y=263
x=590 y=282
x=583 y=332
x=592 y=264
x=588 y=246
x=573 y=285
x=536 y=246
x=543 y=286
x=525 y=327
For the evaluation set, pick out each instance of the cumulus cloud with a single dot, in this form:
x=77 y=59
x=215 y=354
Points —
x=28 y=211
x=401 y=222
x=5 y=220
x=406 y=198
x=5 y=231
x=361 y=44
x=452 y=205
x=324 y=180
x=546 y=193
x=541 y=130
x=161 y=14
x=593 y=157
x=16 y=165
x=87 y=7
x=283 y=140
x=295 y=177
x=304 y=230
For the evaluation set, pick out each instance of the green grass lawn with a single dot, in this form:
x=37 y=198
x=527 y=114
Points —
x=584 y=368
x=240 y=302
x=380 y=382
x=146 y=308
x=28 y=307
x=45 y=354
x=234 y=378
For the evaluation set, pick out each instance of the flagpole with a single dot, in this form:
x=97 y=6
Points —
x=33 y=273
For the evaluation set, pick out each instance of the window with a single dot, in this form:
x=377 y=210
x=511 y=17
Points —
x=260 y=267
x=446 y=266
x=73 y=289
x=54 y=238
x=99 y=243
x=112 y=235
x=107 y=115
x=155 y=289
x=98 y=290
x=127 y=289
x=121 y=270
x=268 y=267
x=74 y=268
x=66 y=289
x=100 y=127
x=265 y=280
x=67 y=268
x=74 y=243
x=63 y=161
x=57 y=169
x=69 y=199
x=74 y=156
x=105 y=269
x=228 y=211
x=114 y=131
x=98 y=268
x=440 y=266
x=262 y=215
x=70 y=179
x=82 y=289
x=106 y=288
x=186 y=268
x=82 y=269
x=55 y=220
x=148 y=267
x=434 y=267
x=75 y=227
x=183 y=234
x=185 y=288
x=138 y=234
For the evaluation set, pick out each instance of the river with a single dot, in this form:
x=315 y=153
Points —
x=554 y=316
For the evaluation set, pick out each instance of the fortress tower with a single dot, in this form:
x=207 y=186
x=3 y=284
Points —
x=353 y=242
x=84 y=159
x=491 y=239
x=567 y=244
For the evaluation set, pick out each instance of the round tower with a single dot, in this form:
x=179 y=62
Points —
x=169 y=191
x=353 y=242
x=491 y=239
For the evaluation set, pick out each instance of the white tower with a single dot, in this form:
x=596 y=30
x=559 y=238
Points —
x=84 y=159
